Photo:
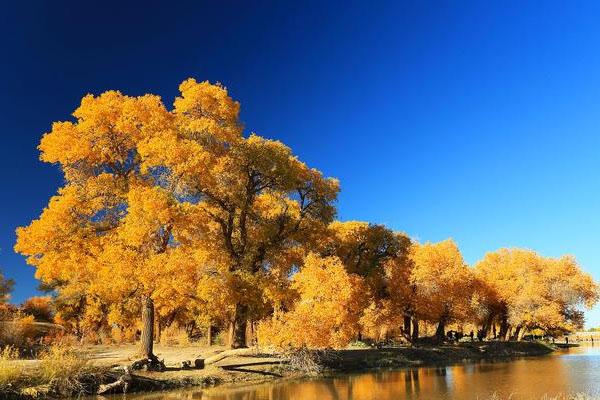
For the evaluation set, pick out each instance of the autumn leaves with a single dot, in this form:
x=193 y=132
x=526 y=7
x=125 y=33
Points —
x=221 y=229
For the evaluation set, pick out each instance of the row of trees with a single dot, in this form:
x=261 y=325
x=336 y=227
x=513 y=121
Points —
x=176 y=217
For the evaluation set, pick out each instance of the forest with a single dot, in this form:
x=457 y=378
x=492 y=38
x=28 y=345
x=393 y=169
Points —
x=178 y=220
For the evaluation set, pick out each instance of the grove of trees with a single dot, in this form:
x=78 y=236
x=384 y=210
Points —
x=175 y=217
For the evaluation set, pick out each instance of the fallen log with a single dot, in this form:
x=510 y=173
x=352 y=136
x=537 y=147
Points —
x=227 y=353
x=123 y=382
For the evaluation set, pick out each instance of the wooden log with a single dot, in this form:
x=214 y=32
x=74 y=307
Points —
x=227 y=353
x=123 y=382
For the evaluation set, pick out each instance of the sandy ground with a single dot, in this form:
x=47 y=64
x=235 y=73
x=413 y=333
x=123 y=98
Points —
x=111 y=355
x=103 y=355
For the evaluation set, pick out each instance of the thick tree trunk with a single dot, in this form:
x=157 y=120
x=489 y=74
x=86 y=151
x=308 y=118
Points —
x=440 y=332
x=147 y=339
x=485 y=329
x=415 y=329
x=237 y=327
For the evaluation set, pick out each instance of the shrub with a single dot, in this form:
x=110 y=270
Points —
x=220 y=338
x=40 y=307
x=62 y=368
x=123 y=335
x=19 y=331
x=174 y=336
x=311 y=362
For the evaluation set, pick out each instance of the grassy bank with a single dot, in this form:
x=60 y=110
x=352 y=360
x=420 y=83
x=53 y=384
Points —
x=255 y=368
x=61 y=372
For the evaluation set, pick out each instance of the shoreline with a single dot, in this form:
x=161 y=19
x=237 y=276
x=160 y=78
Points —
x=251 y=368
x=343 y=361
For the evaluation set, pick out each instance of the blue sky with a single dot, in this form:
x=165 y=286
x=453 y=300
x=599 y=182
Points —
x=473 y=120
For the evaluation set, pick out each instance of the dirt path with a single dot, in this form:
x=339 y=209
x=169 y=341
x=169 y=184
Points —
x=102 y=355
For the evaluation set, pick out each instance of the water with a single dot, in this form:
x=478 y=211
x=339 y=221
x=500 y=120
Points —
x=566 y=371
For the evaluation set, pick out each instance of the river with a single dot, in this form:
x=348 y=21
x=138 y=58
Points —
x=573 y=370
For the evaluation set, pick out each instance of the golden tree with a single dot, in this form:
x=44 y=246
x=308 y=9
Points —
x=530 y=291
x=255 y=200
x=150 y=191
x=443 y=283
x=380 y=256
x=113 y=220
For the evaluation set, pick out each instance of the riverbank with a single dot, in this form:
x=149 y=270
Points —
x=248 y=366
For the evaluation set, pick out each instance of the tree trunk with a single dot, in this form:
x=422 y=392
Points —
x=485 y=329
x=158 y=327
x=415 y=329
x=406 y=328
x=250 y=333
x=147 y=339
x=209 y=335
x=503 y=327
x=237 y=327
x=440 y=332
x=516 y=333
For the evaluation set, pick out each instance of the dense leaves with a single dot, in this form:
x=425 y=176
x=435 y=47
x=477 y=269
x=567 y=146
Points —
x=178 y=214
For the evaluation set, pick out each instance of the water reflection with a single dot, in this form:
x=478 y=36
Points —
x=575 y=370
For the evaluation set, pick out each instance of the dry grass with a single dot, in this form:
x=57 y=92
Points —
x=10 y=371
x=61 y=371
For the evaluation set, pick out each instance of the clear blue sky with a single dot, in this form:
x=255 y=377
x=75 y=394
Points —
x=478 y=121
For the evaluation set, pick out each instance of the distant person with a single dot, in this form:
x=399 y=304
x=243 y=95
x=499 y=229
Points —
x=566 y=339
x=471 y=334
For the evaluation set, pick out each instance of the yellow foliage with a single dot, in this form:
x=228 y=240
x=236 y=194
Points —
x=158 y=201
x=532 y=291
x=327 y=313
x=174 y=336
x=442 y=281
x=179 y=206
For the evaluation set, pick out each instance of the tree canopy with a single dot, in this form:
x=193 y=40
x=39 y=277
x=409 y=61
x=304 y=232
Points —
x=179 y=217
